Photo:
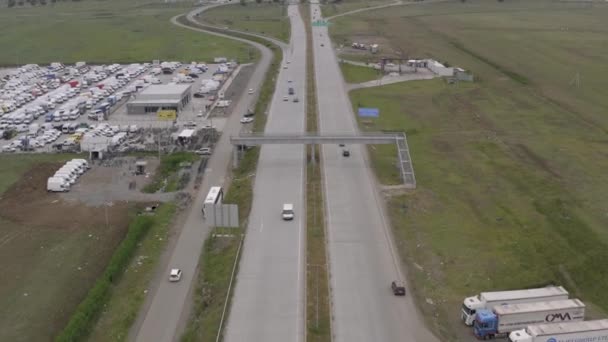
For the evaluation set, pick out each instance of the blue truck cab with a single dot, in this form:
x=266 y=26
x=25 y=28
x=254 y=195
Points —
x=48 y=117
x=486 y=324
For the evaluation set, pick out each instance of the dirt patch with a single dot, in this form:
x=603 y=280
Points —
x=52 y=251
x=28 y=203
x=524 y=152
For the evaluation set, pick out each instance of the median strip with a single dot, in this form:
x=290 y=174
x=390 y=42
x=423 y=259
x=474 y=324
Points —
x=318 y=313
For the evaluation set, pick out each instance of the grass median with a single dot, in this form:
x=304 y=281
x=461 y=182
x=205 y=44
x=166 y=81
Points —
x=166 y=176
x=318 y=313
x=220 y=252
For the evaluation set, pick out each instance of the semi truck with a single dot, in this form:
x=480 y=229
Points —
x=563 y=332
x=488 y=300
x=504 y=319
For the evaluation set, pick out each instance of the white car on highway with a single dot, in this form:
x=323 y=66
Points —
x=246 y=120
x=175 y=275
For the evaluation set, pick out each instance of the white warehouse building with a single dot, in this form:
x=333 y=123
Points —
x=161 y=97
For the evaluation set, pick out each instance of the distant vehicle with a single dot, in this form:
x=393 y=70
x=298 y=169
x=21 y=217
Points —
x=250 y=91
x=246 y=120
x=287 y=212
x=285 y=66
x=346 y=153
x=291 y=91
x=398 y=289
x=199 y=95
x=193 y=75
x=249 y=114
x=341 y=145
x=175 y=275
x=295 y=99
x=322 y=44
x=190 y=124
x=285 y=98
x=488 y=300
x=205 y=151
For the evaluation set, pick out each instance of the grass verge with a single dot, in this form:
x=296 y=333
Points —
x=265 y=18
x=318 y=313
x=358 y=74
x=219 y=253
x=166 y=174
x=129 y=292
x=220 y=256
x=110 y=31
x=90 y=309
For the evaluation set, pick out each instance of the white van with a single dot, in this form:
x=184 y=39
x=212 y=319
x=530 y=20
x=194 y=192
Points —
x=57 y=184
x=67 y=178
x=78 y=165
x=287 y=212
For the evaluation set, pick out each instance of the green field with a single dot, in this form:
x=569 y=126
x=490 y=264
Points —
x=510 y=169
x=106 y=31
x=358 y=74
x=333 y=8
x=266 y=18
x=51 y=252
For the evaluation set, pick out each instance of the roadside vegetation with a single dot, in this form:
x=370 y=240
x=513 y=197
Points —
x=269 y=19
x=110 y=31
x=83 y=319
x=358 y=74
x=167 y=177
x=318 y=312
x=128 y=293
x=220 y=252
x=510 y=169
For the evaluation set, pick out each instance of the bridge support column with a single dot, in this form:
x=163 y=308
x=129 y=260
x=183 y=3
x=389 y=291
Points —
x=235 y=157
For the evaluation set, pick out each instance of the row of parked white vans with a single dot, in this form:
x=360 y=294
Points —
x=65 y=177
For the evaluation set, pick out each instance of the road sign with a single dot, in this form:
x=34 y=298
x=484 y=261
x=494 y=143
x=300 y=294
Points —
x=223 y=215
x=167 y=114
x=369 y=112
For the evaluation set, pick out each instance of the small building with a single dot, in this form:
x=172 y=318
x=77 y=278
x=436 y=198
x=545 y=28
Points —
x=161 y=97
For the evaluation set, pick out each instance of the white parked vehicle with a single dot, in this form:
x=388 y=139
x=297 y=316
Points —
x=287 y=213
x=573 y=331
x=488 y=300
x=57 y=184
x=175 y=275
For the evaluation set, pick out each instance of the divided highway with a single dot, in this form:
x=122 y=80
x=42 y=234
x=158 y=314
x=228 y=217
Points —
x=362 y=258
x=268 y=302
x=164 y=315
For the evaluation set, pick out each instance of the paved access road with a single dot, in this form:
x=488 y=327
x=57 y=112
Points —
x=165 y=314
x=361 y=254
x=268 y=302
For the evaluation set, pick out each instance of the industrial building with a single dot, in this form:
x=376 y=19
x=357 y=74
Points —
x=160 y=97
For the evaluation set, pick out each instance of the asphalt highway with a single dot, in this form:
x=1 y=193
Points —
x=362 y=258
x=164 y=314
x=268 y=302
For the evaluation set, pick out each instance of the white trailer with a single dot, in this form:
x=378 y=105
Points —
x=507 y=318
x=587 y=331
x=488 y=300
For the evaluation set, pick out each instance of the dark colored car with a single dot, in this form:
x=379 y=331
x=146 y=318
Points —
x=398 y=289
x=346 y=153
x=193 y=75
x=199 y=95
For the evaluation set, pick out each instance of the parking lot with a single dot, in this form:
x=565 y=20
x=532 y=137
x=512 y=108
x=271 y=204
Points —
x=45 y=109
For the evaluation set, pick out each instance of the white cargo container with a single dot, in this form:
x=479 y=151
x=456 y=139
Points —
x=488 y=300
x=507 y=318
x=587 y=331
